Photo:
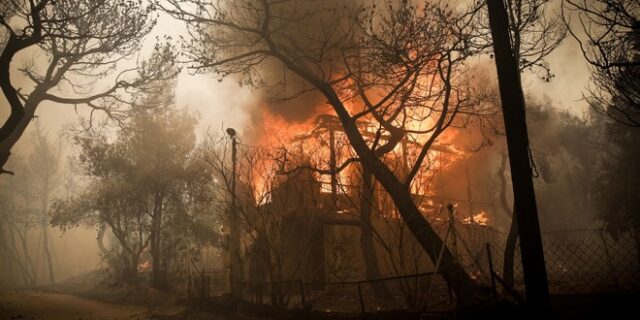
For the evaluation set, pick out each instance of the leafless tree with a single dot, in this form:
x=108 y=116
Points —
x=44 y=162
x=18 y=219
x=27 y=204
x=275 y=211
x=359 y=202
x=75 y=44
x=608 y=32
x=534 y=34
x=395 y=64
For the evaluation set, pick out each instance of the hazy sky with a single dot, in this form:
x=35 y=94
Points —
x=226 y=102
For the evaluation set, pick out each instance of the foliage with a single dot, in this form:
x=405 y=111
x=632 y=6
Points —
x=617 y=181
x=608 y=32
x=565 y=152
x=144 y=185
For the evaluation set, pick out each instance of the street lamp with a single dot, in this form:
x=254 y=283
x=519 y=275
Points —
x=235 y=263
x=231 y=132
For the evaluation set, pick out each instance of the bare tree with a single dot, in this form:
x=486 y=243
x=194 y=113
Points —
x=534 y=34
x=608 y=32
x=44 y=162
x=18 y=218
x=395 y=64
x=276 y=212
x=27 y=205
x=79 y=43
x=513 y=107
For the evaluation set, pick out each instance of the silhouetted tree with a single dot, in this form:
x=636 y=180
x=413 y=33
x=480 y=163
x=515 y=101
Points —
x=616 y=182
x=27 y=200
x=513 y=109
x=534 y=34
x=608 y=32
x=77 y=43
x=397 y=63
x=44 y=162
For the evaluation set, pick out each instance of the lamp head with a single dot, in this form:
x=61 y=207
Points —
x=231 y=132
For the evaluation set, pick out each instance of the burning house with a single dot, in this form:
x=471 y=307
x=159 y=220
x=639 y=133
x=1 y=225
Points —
x=329 y=221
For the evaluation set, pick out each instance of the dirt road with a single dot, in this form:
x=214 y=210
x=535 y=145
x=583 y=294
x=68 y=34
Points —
x=51 y=306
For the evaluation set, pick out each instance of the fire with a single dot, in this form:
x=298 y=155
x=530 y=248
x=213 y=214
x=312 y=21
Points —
x=276 y=131
x=312 y=142
x=305 y=143
x=144 y=266
x=481 y=218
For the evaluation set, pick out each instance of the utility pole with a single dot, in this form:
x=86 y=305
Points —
x=236 y=274
x=513 y=109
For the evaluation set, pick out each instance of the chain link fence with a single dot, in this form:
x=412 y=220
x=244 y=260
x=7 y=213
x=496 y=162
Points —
x=578 y=262
x=415 y=292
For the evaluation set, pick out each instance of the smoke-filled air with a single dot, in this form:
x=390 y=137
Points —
x=319 y=159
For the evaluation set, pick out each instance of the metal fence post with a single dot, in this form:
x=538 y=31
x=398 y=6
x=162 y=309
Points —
x=415 y=291
x=189 y=286
x=362 y=309
x=491 y=273
x=608 y=260
x=303 y=299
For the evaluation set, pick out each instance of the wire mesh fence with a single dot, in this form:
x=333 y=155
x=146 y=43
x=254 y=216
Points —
x=578 y=262
x=591 y=261
x=416 y=292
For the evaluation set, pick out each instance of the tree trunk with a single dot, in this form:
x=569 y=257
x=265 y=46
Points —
x=513 y=108
x=510 y=251
x=47 y=252
x=453 y=273
x=16 y=126
x=156 y=223
x=45 y=224
x=102 y=230
x=29 y=266
x=372 y=269
x=15 y=256
x=512 y=237
x=130 y=272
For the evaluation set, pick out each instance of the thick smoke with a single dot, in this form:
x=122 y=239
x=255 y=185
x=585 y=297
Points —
x=315 y=35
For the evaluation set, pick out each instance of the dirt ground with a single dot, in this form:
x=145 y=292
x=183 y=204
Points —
x=57 y=306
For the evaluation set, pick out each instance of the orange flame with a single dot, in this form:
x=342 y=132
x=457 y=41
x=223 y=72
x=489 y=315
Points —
x=297 y=137
x=481 y=218
x=144 y=266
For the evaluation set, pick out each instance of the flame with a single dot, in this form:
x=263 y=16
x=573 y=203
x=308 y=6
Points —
x=481 y=218
x=305 y=143
x=277 y=131
x=308 y=144
x=144 y=266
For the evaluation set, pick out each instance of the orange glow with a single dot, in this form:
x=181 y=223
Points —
x=481 y=218
x=277 y=131
x=144 y=266
x=308 y=143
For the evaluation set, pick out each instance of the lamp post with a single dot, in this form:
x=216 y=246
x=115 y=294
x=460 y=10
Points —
x=235 y=262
